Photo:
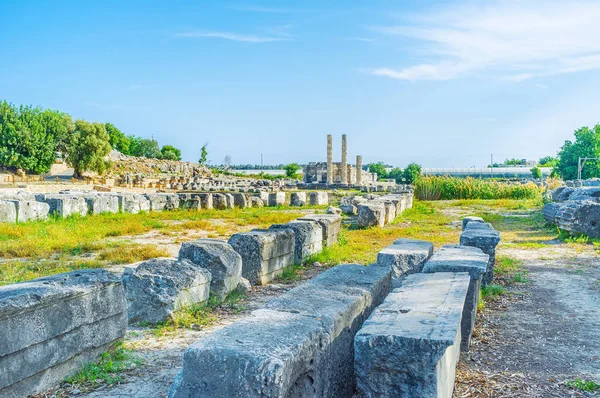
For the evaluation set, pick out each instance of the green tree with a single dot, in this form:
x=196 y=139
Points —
x=30 y=137
x=379 y=169
x=397 y=174
x=144 y=148
x=547 y=161
x=203 y=155
x=118 y=140
x=87 y=147
x=536 y=172
x=169 y=152
x=291 y=170
x=412 y=173
x=586 y=145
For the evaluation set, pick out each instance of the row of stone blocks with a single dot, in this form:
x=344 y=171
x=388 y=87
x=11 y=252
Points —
x=314 y=341
x=382 y=210
x=159 y=287
x=39 y=207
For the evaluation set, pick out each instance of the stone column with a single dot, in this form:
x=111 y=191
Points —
x=343 y=172
x=349 y=174
x=329 y=159
x=358 y=170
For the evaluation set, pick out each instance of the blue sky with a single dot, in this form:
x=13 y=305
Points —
x=444 y=84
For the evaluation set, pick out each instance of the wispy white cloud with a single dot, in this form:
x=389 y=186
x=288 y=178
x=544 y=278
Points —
x=516 y=41
x=249 y=38
x=366 y=39
x=135 y=87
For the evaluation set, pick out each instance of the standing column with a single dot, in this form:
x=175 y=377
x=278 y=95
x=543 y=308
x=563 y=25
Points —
x=329 y=159
x=358 y=170
x=343 y=168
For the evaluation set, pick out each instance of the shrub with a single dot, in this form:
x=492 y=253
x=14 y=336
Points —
x=449 y=188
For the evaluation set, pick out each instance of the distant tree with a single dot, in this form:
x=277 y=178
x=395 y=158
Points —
x=203 y=154
x=291 y=170
x=144 y=148
x=379 y=169
x=227 y=162
x=548 y=161
x=117 y=139
x=86 y=148
x=30 y=137
x=536 y=173
x=169 y=152
x=586 y=145
x=412 y=173
x=397 y=174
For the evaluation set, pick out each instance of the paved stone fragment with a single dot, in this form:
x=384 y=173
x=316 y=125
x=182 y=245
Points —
x=52 y=326
x=265 y=253
x=330 y=224
x=219 y=258
x=454 y=258
x=409 y=346
x=405 y=256
x=160 y=286
x=308 y=237
x=371 y=214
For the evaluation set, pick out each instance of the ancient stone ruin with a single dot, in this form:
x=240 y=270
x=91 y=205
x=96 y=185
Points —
x=576 y=210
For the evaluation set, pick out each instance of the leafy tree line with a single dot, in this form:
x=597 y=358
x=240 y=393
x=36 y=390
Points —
x=32 y=137
x=585 y=145
x=407 y=176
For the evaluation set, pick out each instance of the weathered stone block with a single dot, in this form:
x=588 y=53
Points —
x=256 y=201
x=485 y=237
x=298 y=198
x=371 y=214
x=98 y=204
x=133 y=203
x=333 y=210
x=65 y=205
x=469 y=219
x=579 y=217
x=301 y=345
x=8 y=211
x=409 y=346
x=549 y=212
x=308 y=238
x=240 y=200
x=264 y=253
x=219 y=258
x=276 y=199
x=319 y=198
x=31 y=210
x=52 y=326
x=160 y=286
x=219 y=201
x=405 y=256
x=330 y=224
x=229 y=200
x=162 y=201
x=453 y=258
x=348 y=209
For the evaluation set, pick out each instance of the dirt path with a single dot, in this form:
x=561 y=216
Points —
x=545 y=333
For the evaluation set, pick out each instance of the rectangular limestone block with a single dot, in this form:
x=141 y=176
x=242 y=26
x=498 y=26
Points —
x=162 y=201
x=298 y=198
x=276 y=199
x=132 y=203
x=102 y=203
x=331 y=225
x=308 y=238
x=483 y=236
x=51 y=326
x=66 y=205
x=318 y=198
x=31 y=210
x=469 y=219
x=300 y=345
x=265 y=253
x=410 y=345
x=371 y=214
x=8 y=211
x=405 y=256
x=454 y=258
x=240 y=200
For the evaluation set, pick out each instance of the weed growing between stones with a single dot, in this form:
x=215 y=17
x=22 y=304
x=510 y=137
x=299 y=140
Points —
x=583 y=385
x=110 y=369
x=291 y=273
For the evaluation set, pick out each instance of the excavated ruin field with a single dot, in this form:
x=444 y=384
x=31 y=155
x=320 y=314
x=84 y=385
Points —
x=538 y=329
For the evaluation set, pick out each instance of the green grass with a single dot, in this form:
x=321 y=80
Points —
x=584 y=385
x=110 y=369
x=492 y=291
x=203 y=315
x=449 y=188
x=291 y=273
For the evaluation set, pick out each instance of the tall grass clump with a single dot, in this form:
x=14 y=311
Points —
x=450 y=188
